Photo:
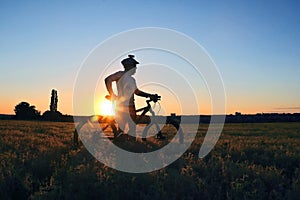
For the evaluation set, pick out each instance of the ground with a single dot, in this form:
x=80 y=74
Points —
x=250 y=161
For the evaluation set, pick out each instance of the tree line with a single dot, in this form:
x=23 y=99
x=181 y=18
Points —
x=25 y=111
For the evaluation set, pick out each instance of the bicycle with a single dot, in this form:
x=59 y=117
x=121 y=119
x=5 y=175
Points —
x=109 y=126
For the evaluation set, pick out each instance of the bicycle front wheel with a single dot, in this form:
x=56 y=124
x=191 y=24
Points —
x=164 y=132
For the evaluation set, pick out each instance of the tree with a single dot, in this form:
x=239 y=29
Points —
x=25 y=111
x=52 y=114
x=54 y=100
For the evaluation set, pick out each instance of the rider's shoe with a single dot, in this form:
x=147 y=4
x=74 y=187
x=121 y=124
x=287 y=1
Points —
x=131 y=138
x=160 y=136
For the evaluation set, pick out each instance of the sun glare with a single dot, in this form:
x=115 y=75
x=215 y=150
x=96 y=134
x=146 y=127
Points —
x=107 y=108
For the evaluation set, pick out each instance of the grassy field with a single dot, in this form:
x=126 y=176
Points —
x=250 y=161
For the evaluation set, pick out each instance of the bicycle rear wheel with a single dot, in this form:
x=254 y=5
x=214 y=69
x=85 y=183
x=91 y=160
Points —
x=92 y=125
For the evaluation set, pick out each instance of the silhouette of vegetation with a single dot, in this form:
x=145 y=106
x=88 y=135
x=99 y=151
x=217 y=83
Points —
x=54 y=101
x=53 y=114
x=25 y=111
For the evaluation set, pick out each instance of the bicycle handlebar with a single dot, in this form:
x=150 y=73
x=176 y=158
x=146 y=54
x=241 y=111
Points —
x=155 y=98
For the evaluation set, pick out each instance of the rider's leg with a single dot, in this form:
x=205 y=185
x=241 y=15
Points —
x=132 y=120
x=121 y=121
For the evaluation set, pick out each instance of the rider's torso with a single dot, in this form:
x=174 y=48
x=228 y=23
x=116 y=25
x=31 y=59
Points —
x=126 y=86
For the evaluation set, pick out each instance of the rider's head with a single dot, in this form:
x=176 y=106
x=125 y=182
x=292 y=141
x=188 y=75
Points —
x=129 y=63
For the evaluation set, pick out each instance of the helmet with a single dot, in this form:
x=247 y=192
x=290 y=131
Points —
x=129 y=62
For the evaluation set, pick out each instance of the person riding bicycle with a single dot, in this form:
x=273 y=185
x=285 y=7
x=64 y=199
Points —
x=126 y=88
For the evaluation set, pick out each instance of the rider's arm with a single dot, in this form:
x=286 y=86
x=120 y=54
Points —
x=141 y=93
x=111 y=78
x=153 y=97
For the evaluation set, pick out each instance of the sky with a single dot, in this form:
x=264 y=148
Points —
x=254 y=44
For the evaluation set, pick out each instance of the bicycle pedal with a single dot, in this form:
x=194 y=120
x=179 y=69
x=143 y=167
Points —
x=121 y=133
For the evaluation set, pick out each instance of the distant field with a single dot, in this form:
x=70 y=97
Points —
x=250 y=161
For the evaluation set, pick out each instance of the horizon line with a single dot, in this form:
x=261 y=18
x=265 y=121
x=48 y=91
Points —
x=234 y=114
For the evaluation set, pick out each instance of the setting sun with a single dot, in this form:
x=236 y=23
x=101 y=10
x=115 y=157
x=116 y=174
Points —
x=106 y=108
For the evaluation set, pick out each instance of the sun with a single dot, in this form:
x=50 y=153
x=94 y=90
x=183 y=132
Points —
x=106 y=108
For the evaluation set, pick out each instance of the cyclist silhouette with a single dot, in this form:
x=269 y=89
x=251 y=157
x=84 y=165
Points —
x=126 y=88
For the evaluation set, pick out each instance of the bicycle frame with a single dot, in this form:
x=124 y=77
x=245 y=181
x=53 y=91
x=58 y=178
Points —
x=138 y=120
x=145 y=110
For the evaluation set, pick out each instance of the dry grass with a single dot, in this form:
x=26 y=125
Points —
x=250 y=161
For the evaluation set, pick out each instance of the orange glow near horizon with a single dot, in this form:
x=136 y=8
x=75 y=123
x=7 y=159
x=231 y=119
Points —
x=104 y=107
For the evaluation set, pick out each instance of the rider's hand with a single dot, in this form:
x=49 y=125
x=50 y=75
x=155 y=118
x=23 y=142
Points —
x=111 y=97
x=155 y=97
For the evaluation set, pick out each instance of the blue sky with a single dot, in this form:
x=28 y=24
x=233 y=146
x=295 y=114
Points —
x=255 y=45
